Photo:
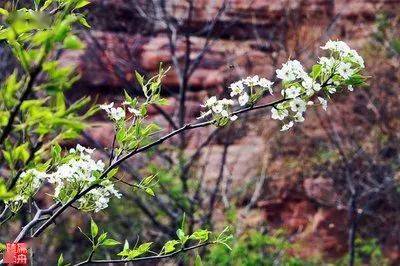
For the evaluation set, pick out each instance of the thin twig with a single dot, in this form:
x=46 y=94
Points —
x=156 y=257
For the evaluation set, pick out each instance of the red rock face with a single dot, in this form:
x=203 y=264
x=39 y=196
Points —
x=254 y=38
x=248 y=39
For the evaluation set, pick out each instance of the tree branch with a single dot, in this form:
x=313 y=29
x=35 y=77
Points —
x=156 y=257
x=142 y=149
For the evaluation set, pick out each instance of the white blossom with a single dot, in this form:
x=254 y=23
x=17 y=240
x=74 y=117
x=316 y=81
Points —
x=266 y=84
x=237 y=88
x=298 y=105
x=234 y=117
x=291 y=92
x=310 y=86
x=220 y=107
x=279 y=114
x=217 y=108
x=287 y=126
x=134 y=111
x=298 y=87
x=114 y=113
x=210 y=101
x=243 y=99
x=30 y=180
x=225 y=113
x=97 y=199
x=345 y=70
x=337 y=46
x=299 y=117
x=79 y=172
x=290 y=71
x=107 y=107
x=327 y=63
x=356 y=58
x=344 y=51
x=251 y=81
x=323 y=102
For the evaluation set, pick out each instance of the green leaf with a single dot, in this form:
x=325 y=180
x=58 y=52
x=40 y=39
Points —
x=61 y=31
x=316 y=71
x=133 y=253
x=94 y=230
x=82 y=3
x=200 y=235
x=110 y=242
x=144 y=247
x=4 y=193
x=126 y=245
x=148 y=180
x=60 y=261
x=169 y=246
x=83 y=22
x=3 y=12
x=46 y=4
x=121 y=135
x=355 y=80
x=139 y=78
x=73 y=43
x=149 y=191
x=197 y=261
x=21 y=153
x=182 y=236
x=102 y=237
x=112 y=173
x=8 y=158
x=395 y=44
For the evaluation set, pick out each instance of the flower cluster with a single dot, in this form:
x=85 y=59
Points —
x=118 y=113
x=28 y=184
x=77 y=173
x=219 y=107
x=98 y=199
x=299 y=88
x=344 y=52
x=247 y=91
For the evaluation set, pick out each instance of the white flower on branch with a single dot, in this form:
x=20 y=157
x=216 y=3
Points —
x=310 y=86
x=337 y=46
x=323 y=102
x=243 y=99
x=279 y=114
x=290 y=71
x=114 y=113
x=298 y=105
x=237 y=88
x=344 y=50
x=291 y=92
x=28 y=184
x=345 y=70
x=329 y=75
x=246 y=87
x=287 y=126
x=266 y=84
x=251 y=81
x=134 y=111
